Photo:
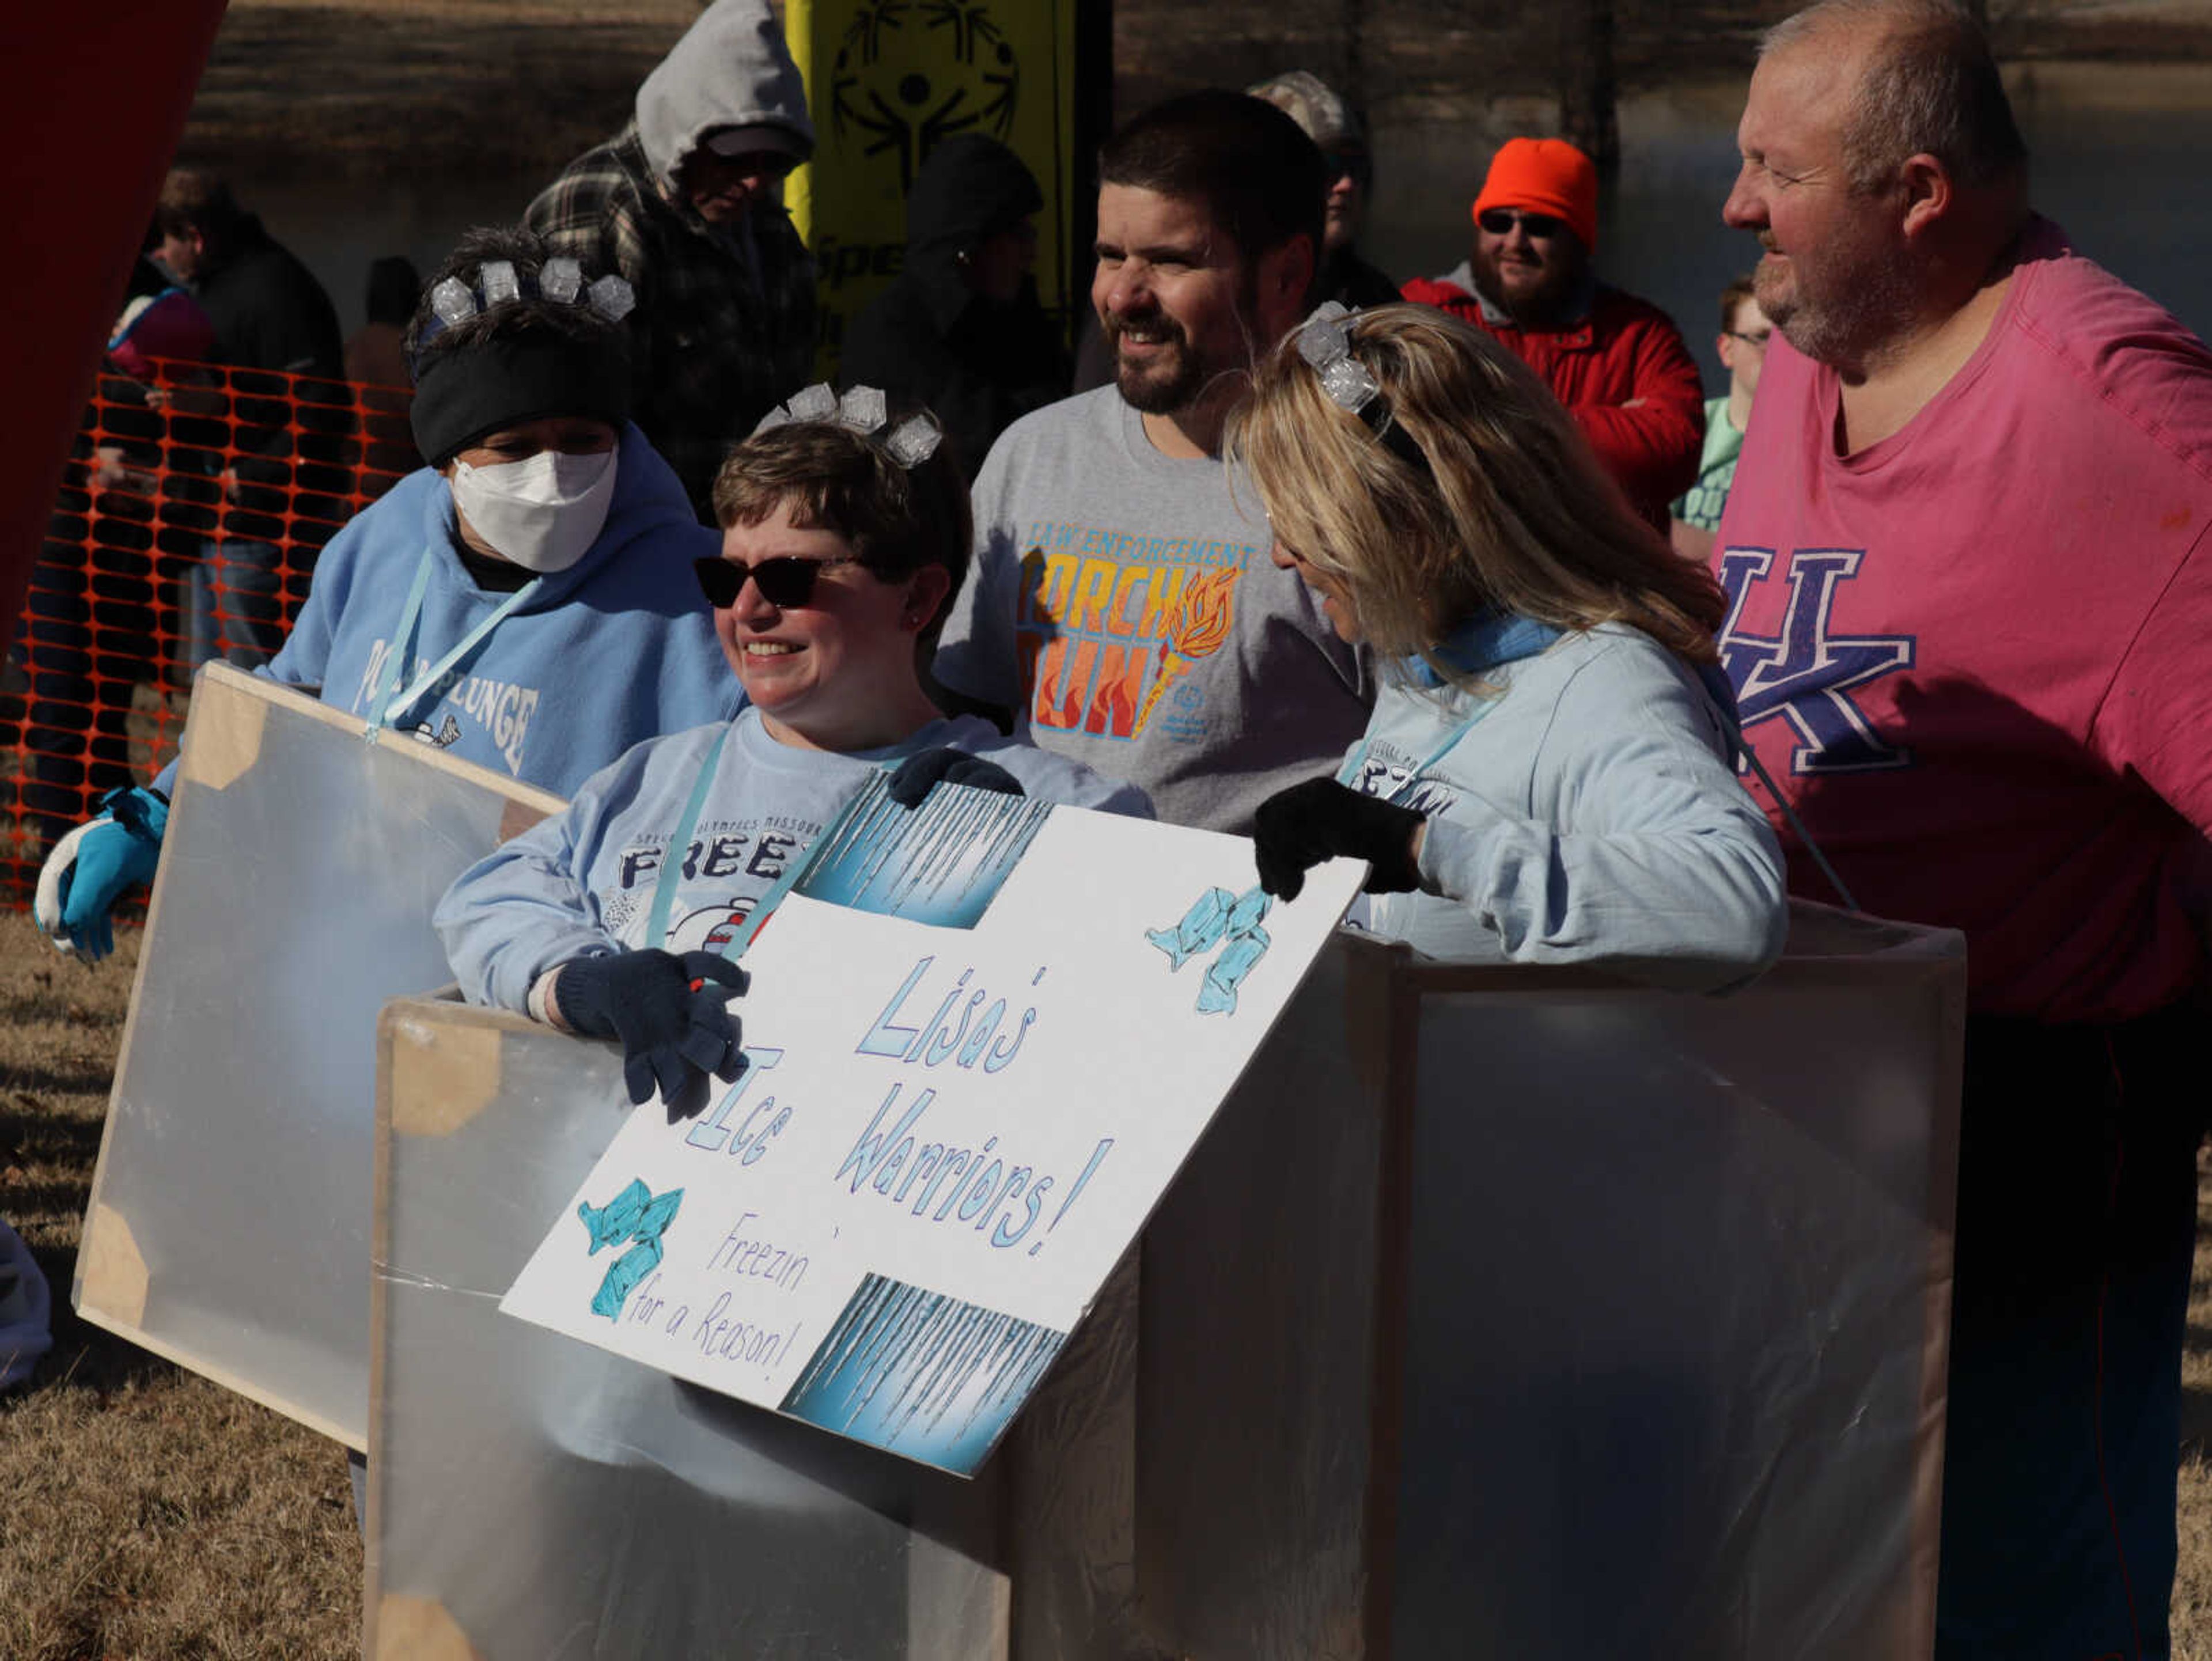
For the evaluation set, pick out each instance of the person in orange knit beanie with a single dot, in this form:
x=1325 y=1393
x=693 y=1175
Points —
x=1544 y=176
x=1617 y=362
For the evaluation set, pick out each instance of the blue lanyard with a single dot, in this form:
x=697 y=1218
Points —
x=384 y=707
x=672 y=862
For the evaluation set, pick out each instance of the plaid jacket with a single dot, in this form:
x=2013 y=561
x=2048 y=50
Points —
x=713 y=350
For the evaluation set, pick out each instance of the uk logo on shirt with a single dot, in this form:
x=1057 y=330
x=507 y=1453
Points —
x=1806 y=675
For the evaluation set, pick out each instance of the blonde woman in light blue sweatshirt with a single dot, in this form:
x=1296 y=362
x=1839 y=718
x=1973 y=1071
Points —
x=1548 y=776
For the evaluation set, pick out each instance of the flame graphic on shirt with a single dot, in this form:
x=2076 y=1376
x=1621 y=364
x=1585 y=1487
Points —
x=1203 y=613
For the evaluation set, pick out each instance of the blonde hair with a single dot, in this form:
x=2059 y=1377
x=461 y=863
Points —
x=1505 y=508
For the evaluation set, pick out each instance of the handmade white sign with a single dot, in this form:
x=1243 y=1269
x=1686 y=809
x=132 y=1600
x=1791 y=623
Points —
x=947 y=1135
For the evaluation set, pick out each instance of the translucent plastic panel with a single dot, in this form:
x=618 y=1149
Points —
x=1674 y=1276
x=1255 y=1390
x=534 y=1497
x=229 y=1223
x=1525 y=1313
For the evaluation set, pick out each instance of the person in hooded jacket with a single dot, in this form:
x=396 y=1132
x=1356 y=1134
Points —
x=961 y=329
x=526 y=601
x=685 y=203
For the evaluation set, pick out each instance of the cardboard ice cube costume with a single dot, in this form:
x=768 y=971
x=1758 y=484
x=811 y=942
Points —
x=1688 y=1258
x=1831 y=1083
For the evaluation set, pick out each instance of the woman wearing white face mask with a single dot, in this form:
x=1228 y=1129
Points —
x=535 y=495
x=526 y=601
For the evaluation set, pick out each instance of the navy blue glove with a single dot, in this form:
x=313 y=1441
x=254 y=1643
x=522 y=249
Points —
x=923 y=771
x=1301 y=827
x=95 y=865
x=669 y=1013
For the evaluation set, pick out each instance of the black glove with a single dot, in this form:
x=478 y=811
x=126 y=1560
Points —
x=667 y=1011
x=927 y=768
x=1320 y=819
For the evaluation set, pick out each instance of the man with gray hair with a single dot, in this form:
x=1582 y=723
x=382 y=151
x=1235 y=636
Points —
x=1969 y=558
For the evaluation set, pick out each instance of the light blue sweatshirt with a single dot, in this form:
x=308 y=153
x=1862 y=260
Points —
x=618 y=648
x=582 y=882
x=1592 y=812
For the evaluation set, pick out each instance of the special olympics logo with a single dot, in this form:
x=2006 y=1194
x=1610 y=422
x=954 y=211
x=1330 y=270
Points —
x=912 y=72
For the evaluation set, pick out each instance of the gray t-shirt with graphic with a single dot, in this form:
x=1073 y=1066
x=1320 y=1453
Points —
x=1124 y=603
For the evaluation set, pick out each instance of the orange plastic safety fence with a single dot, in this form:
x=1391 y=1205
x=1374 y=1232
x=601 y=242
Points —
x=186 y=528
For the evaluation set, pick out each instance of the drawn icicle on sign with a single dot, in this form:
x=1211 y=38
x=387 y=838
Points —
x=921 y=1374
x=1214 y=917
x=946 y=1139
x=942 y=863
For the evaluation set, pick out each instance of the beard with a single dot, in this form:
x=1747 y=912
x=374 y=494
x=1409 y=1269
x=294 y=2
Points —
x=1838 y=313
x=1340 y=228
x=1537 y=306
x=1163 y=387
x=1184 y=375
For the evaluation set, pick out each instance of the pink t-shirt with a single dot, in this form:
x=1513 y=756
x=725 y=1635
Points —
x=1978 y=655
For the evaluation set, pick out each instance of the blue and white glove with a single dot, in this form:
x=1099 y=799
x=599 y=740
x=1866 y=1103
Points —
x=671 y=1014
x=95 y=865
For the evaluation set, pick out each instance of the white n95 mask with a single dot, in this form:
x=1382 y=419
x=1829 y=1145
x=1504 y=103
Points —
x=544 y=511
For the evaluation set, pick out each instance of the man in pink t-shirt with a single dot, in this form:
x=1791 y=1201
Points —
x=1969 y=557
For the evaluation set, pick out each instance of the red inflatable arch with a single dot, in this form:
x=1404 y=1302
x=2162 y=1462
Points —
x=93 y=110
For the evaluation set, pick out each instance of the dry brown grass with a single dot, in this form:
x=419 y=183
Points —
x=2192 y=1584
x=149 y=1515
x=145 y=1514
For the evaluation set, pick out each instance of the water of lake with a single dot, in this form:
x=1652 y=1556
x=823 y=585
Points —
x=2119 y=156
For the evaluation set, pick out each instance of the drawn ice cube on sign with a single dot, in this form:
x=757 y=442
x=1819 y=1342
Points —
x=969 y=1084
x=635 y=1218
x=1214 y=917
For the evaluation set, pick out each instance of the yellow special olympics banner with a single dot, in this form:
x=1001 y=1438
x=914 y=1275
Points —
x=885 y=81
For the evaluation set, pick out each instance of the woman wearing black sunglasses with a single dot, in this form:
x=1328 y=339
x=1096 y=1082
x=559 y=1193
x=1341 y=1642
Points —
x=845 y=535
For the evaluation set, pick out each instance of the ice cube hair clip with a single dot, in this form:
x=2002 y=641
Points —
x=562 y=279
x=1325 y=343
x=865 y=410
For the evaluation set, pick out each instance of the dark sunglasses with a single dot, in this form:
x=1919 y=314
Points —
x=785 y=582
x=1357 y=163
x=1499 y=220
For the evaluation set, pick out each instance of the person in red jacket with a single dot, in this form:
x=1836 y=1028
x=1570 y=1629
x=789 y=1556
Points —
x=1617 y=362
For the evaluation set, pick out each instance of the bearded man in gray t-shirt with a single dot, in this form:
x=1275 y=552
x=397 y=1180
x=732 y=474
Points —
x=1123 y=601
